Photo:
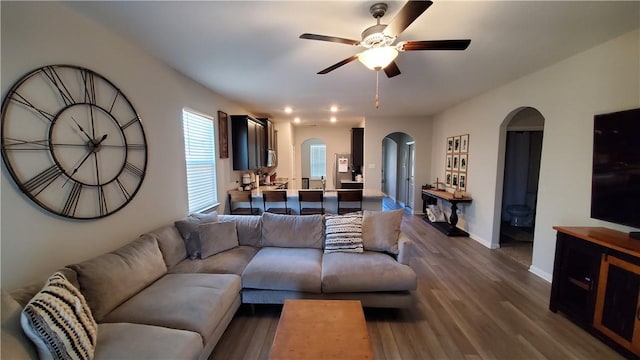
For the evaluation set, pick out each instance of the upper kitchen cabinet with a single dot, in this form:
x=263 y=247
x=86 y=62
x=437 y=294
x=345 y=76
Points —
x=271 y=143
x=357 y=146
x=248 y=136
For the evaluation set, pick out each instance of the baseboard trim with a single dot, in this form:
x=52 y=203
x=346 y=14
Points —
x=482 y=241
x=541 y=273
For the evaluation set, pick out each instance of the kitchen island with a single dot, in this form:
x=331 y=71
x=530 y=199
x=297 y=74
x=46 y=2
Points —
x=371 y=199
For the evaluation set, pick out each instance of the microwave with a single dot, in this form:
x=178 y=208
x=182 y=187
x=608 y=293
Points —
x=271 y=158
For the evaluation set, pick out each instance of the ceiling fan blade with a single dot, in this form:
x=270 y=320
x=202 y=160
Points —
x=337 y=65
x=329 y=39
x=392 y=70
x=434 y=45
x=409 y=12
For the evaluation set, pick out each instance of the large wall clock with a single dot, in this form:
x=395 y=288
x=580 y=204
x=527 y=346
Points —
x=73 y=142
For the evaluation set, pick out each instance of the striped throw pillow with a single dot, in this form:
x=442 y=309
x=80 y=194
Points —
x=343 y=233
x=59 y=321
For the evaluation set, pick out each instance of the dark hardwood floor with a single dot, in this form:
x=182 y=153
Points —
x=471 y=303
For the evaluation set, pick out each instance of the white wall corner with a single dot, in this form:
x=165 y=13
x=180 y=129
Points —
x=482 y=241
x=541 y=273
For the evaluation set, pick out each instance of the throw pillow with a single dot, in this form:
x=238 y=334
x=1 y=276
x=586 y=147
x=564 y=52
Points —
x=343 y=233
x=59 y=321
x=299 y=231
x=217 y=237
x=380 y=230
x=435 y=214
x=188 y=228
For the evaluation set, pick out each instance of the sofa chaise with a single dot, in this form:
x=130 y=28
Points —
x=172 y=292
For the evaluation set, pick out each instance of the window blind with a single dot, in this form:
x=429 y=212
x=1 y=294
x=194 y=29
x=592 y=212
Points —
x=318 y=161
x=200 y=156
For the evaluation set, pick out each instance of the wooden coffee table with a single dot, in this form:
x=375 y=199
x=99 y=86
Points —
x=322 y=329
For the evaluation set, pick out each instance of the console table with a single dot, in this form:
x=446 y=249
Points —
x=450 y=228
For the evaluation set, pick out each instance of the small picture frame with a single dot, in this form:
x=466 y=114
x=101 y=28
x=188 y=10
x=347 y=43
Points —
x=462 y=182
x=463 y=162
x=456 y=162
x=456 y=145
x=447 y=178
x=449 y=145
x=464 y=143
x=454 y=180
x=449 y=163
x=223 y=138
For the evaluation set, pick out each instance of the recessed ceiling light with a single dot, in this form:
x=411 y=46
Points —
x=296 y=120
x=334 y=108
x=333 y=119
x=288 y=109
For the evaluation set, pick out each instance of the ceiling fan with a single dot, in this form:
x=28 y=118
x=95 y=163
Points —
x=378 y=39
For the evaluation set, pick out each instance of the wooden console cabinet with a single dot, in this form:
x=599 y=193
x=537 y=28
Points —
x=596 y=283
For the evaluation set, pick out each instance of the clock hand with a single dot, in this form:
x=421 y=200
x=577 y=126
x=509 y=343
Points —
x=77 y=167
x=81 y=129
x=104 y=137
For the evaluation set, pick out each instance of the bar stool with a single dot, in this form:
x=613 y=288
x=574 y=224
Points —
x=278 y=196
x=311 y=196
x=350 y=197
x=236 y=196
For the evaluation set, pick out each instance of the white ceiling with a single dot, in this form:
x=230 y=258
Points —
x=249 y=51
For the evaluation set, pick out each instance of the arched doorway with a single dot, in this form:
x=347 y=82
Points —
x=516 y=198
x=398 y=169
x=313 y=163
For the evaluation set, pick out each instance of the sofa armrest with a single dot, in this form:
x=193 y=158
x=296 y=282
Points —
x=405 y=249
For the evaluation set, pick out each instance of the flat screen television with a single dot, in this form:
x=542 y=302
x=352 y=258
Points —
x=615 y=184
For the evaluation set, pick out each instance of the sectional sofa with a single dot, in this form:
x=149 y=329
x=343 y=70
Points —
x=172 y=292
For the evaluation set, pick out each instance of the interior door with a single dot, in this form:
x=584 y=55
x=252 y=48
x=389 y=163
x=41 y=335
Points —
x=410 y=174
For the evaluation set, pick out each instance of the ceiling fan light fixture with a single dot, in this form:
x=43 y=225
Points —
x=378 y=58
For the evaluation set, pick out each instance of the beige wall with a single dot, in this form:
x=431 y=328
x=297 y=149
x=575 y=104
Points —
x=420 y=129
x=336 y=137
x=568 y=94
x=35 y=243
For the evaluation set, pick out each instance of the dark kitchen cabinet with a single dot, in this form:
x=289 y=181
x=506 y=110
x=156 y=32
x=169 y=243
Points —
x=357 y=147
x=248 y=136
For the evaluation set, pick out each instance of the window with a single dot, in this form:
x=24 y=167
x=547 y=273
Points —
x=200 y=156
x=318 y=161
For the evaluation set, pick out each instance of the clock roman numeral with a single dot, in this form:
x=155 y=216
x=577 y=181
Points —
x=134 y=169
x=22 y=100
x=102 y=202
x=130 y=122
x=17 y=144
x=89 y=87
x=36 y=184
x=122 y=188
x=115 y=97
x=71 y=204
x=55 y=79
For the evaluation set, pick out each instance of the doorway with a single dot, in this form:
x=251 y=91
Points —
x=522 y=158
x=397 y=171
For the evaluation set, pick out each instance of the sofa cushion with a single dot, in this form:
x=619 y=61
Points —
x=249 y=228
x=15 y=344
x=217 y=237
x=170 y=243
x=108 y=280
x=369 y=271
x=380 y=230
x=188 y=229
x=135 y=341
x=194 y=302
x=343 y=233
x=294 y=269
x=59 y=322
x=299 y=231
x=232 y=261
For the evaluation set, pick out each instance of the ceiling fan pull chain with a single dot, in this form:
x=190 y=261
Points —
x=377 y=85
